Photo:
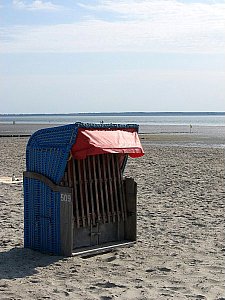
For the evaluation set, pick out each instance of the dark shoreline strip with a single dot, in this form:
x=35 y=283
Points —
x=15 y=135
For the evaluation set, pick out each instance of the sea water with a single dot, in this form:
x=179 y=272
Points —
x=199 y=120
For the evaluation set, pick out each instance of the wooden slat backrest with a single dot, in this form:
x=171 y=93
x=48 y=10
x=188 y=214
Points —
x=98 y=195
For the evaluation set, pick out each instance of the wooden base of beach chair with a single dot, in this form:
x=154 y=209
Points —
x=104 y=248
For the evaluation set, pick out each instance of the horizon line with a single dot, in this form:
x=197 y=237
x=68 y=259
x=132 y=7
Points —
x=133 y=113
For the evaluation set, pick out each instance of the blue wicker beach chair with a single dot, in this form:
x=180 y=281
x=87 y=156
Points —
x=76 y=200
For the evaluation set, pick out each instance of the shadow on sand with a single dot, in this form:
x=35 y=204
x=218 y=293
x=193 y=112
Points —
x=21 y=262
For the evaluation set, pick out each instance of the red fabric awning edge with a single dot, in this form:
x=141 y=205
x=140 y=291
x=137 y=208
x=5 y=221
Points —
x=93 y=142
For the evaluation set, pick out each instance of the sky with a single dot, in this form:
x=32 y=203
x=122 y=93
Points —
x=111 y=56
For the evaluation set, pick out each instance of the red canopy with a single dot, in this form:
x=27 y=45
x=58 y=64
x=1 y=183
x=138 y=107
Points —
x=94 y=142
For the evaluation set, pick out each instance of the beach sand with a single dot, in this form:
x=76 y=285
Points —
x=180 y=247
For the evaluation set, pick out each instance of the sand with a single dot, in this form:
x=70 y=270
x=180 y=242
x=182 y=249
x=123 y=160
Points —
x=180 y=248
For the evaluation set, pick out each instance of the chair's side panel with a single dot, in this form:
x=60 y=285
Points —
x=30 y=213
x=55 y=241
x=50 y=162
x=48 y=150
x=41 y=217
x=66 y=223
x=130 y=187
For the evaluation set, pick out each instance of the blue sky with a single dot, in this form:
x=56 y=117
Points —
x=93 y=56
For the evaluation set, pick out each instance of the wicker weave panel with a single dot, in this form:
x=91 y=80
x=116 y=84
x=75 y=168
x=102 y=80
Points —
x=41 y=217
x=48 y=151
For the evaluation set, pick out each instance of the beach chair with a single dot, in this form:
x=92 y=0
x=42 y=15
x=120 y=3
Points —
x=76 y=200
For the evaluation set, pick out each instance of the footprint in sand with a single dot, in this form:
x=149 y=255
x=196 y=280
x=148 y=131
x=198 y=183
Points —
x=164 y=269
x=109 y=285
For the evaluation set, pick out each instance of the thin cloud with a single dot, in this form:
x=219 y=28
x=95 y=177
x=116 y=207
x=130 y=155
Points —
x=145 y=26
x=153 y=8
x=36 y=5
